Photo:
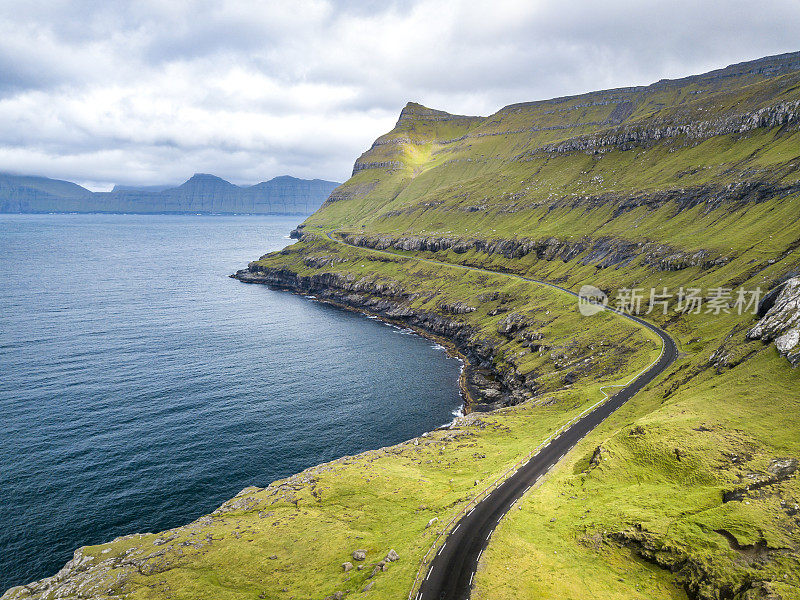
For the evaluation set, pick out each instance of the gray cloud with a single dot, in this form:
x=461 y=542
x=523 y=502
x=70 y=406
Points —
x=150 y=92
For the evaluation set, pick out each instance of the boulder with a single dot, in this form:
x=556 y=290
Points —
x=381 y=566
x=392 y=556
x=781 y=322
x=511 y=323
x=783 y=468
x=359 y=555
x=347 y=566
x=491 y=394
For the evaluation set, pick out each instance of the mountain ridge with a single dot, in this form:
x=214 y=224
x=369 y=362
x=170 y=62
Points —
x=203 y=193
x=691 y=183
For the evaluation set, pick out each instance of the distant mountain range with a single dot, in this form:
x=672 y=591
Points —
x=202 y=193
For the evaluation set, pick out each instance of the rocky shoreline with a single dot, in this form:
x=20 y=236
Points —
x=483 y=387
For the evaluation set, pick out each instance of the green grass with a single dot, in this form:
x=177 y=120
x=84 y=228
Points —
x=648 y=519
x=640 y=485
x=750 y=408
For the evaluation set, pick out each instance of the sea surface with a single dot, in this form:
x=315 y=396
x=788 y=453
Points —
x=141 y=387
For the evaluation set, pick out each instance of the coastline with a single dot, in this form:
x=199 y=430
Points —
x=476 y=361
x=80 y=559
x=447 y=345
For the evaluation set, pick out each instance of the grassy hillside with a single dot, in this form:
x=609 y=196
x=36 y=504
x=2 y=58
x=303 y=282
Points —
x=690 y=183
x=690 y=490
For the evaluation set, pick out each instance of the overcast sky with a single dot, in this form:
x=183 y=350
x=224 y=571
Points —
x=150 y=92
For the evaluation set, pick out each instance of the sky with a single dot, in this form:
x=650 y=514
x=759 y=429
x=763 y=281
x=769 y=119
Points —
x=150 y=92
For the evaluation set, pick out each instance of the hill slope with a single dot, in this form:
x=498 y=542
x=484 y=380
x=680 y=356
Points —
x=690 y=490
x=200 y=194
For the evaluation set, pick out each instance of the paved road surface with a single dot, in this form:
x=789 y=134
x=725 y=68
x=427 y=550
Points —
x=452 y=570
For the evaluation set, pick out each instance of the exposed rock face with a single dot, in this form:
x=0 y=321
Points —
x=81 y=577
x=779 y=469
x=782 y=468
x=385 y=164
x=601 y=252
x=781 y=323
x=200 y=194
x=694 y=575
x=625 y=137
x=458 y=308
x=511 y=323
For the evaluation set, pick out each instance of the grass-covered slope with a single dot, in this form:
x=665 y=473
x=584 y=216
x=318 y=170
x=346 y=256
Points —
x=683 y=184
x=689 y=490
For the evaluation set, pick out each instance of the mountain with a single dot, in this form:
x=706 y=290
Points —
x=19 y=191
x=685 y=192
x=200 y=194
x=140 y=188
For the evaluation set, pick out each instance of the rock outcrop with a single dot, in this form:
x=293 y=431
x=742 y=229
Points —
x=602 y=252
x=781 y=322
x=626 y=137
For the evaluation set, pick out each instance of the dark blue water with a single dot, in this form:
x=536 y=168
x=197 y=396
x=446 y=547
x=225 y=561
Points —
x=140 y=387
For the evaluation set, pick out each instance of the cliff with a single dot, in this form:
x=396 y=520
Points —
x=688 y=491
x=683 y=186
x=200 y=194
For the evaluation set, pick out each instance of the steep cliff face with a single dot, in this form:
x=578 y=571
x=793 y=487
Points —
x=603 y=252
x=201 y=194
x=722 y=140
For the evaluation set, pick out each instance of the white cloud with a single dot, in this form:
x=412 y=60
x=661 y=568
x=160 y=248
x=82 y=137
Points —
x=150 y=91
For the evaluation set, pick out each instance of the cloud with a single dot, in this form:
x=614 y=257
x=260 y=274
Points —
x=150 y=92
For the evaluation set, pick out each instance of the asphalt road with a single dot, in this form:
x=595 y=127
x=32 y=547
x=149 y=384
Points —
x=452 y=570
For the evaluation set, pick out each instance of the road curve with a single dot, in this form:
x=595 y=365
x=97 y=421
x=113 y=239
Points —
x=451 y=571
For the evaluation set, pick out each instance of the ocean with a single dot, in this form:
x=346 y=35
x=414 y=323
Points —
x=141 y=387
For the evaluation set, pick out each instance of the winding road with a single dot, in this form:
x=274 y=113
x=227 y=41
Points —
x=451 y=572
